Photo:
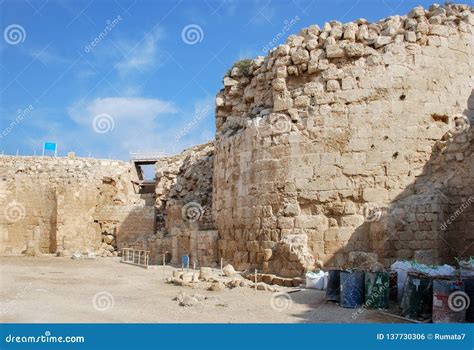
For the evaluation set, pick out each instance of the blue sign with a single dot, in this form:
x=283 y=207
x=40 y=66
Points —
x=50 y=146
x=185 y=260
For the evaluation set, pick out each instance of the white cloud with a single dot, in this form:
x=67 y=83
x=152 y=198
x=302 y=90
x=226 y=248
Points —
x=139 y=55
x=134 y=121
x=47 y=56
x=139 y=109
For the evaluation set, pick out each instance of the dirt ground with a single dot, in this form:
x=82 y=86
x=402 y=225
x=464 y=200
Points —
x=52 y=289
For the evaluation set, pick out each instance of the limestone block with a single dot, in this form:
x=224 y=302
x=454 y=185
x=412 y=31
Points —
x=282 y=101
x=333 y=85
x=334 y=51
x=350 y=31
x=314 y=30
x=416 y=12
x=300 y=56
x=333 y=247
x=314 y=221
x=348 y=83
x=344 y=234
x=382 y=41
x=292 y=70
x=312 y=44
x=375 y=195
x=352 y=220
x=229 y=82
x=332 y=73
x=439 y=30
x=410 y=36
x=279 y=84
x=291 y=209
x=313 y=66
x=285 y=222
x=281 y=72
x=397 y=169
x=283 y=50
x=336 y=32
x=301 y=101
x=355 y=50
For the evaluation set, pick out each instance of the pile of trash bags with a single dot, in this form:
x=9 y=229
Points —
x=403 y=267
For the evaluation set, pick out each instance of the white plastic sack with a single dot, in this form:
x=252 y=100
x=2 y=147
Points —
x=316 y=280
x=402 y=268
x=467 y=267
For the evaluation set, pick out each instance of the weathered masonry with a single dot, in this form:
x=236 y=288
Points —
x=350 y=137
x=342 y=121
x=70 y=204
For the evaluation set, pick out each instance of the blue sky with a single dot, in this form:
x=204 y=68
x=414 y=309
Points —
x=143 y=85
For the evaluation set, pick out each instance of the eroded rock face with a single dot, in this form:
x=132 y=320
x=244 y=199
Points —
x=182 y=180
x=336 y=142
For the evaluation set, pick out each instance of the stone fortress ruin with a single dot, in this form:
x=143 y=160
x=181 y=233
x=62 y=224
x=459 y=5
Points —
x=347 y=138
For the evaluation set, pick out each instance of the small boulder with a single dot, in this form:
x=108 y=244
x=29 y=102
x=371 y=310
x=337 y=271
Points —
x=229 y=270
x=216 y=286
x=205 y=273
x=108 y=239
x=199 y=297
x=188 y=301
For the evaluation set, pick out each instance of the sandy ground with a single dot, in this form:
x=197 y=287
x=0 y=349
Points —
x=51 y=289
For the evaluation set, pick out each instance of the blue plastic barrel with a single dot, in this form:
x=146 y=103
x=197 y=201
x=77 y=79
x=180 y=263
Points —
x=352 y=289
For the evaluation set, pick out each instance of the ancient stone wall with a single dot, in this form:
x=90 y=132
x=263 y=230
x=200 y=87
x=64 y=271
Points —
x=331 y=144
x=184 y=209
x=64 y=205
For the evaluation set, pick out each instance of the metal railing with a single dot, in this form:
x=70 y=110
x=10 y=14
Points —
x=135 y=257
x=146 y=155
